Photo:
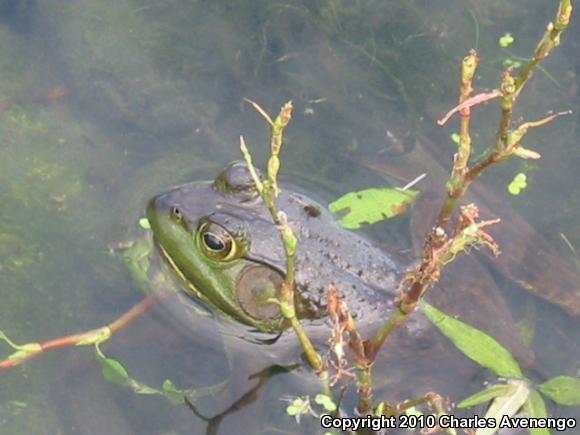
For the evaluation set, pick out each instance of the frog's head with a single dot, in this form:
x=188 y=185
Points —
x=205 y=230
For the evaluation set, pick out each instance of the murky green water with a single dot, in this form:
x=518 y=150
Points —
x=105 y=103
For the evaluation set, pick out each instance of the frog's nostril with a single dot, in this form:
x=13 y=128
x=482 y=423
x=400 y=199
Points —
x=176 y=212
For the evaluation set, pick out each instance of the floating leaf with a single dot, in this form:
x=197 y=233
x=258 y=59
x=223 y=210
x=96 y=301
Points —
x=536 y=408
x=371 y=205
x=513 y=63
x=564 y=390
x=326 y=402
x=518 y=184
x=144 y=223
x=484 y=396
x=506 y=40
x=113 y=371
x=298 y=406
x=475 y=344
x=506 y=405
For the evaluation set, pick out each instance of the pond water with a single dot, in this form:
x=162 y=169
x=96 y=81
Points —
x=104 y=104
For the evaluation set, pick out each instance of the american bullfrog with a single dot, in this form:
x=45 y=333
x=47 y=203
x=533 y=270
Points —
x=219 y=239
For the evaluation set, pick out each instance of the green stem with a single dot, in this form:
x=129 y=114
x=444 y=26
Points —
x=269 y=191
x=550 y=39
x=312 y=356
x=365 y=398
x=396 y=318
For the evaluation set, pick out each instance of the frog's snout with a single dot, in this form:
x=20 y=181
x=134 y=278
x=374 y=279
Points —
x=162 y=207
x=156 y=206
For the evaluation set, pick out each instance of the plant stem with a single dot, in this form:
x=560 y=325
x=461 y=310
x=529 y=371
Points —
x=456 y=181
x=88 y=337
x=550 y=39
x=461 y=177
x=365 y=391
x=269 y=190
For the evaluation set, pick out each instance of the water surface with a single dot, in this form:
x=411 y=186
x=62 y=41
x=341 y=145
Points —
x=106 y=103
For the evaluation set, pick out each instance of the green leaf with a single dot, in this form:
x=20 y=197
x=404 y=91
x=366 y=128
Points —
x=536 y=408
x=506 y=40
x=371 y=205
x=518 y=184
x=326 y=402
x=113 y=371
x=4 y=337
x=484 y=396
x=514 y=189
x=144 y=223
x=413 y=411
x=23 y=349
x=506 y=405
x=475 y=344
x=525 y=153
x=564 y=390
x=298 y=406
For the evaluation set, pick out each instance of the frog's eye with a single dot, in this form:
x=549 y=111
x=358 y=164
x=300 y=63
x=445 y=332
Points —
x=216 y=242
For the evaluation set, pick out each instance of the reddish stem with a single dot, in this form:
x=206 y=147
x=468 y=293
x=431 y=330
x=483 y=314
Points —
x=74 y=339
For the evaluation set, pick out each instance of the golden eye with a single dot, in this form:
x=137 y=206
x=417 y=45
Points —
x=216 y=242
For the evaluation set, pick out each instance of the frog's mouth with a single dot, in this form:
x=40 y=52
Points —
x=169 y=261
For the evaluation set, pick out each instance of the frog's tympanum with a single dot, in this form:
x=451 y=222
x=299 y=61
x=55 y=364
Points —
x=220 y=240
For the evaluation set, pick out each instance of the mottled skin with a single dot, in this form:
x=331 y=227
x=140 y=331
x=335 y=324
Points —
x=365 y=275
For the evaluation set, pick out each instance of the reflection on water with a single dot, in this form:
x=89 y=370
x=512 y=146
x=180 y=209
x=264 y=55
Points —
x=106 y=103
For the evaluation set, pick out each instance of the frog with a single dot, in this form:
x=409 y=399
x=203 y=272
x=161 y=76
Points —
x=219 y=243
x=219 y=239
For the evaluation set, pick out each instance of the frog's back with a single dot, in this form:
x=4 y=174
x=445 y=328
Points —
x=365 y=275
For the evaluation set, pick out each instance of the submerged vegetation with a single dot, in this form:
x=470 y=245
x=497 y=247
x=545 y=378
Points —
x=371 y=69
